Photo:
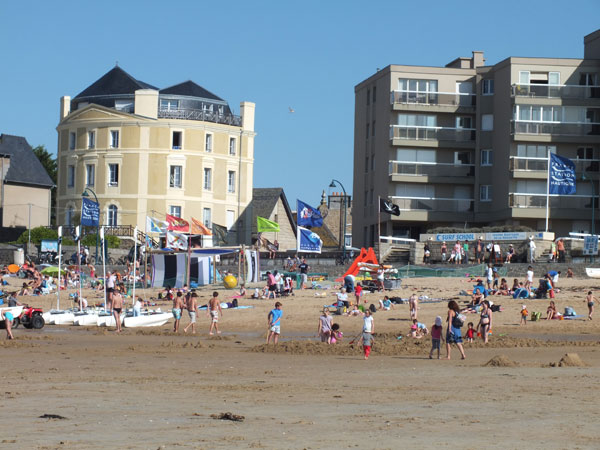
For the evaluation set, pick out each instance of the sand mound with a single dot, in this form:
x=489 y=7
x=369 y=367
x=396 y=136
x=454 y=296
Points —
x=500 y=361
x=571 y=360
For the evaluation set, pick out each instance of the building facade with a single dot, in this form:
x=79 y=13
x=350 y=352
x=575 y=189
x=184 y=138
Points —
x=467 y=144
x=145 y=151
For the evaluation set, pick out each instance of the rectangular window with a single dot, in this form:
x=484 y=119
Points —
x=366 y=163
x=487 y=87
x=366 y=198
x=368 y=130
x=91 y=139
x=585 y=153
x=462 y=158
x=535 y=151
x=114 y=139
x=209 y=143
x=206 y=217
x=177 y=140
x=373 y=129
x=72 y=140
x=373 y=162
x=232 y=146
x=169 y=105
x=368 y=97
x=374 y=94
x=464 y=122
x=230 y=218
x=486 y=158
x=90 y=174
x=485 y=193
x=207 y=179
x=175 y=177
x=125 y=105
x=417 y=120
x=70 y=176
x=418 y=91
x=231 y=181
x=113 y=174
x=487 y=122
x=175 y=210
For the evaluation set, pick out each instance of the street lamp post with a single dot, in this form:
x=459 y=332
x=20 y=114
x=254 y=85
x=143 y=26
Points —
x=85 y=194
x=343 y=240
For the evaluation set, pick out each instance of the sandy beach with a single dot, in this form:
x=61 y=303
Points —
x=151 y=388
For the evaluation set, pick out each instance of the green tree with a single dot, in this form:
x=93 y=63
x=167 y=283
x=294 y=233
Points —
x=49 y=162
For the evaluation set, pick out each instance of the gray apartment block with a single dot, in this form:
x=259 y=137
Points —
x=467 y=144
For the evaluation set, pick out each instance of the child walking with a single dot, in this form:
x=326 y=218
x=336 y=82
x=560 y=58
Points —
x=367 y=341
x=470 y=332
x=436 y=337
x=358 y=293
x=590 y=303
x=524 y=314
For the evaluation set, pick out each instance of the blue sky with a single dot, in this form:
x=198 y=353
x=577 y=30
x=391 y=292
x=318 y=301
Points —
x=306 y=55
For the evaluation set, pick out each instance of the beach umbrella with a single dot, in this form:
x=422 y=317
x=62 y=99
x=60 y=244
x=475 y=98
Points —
x=52 y=271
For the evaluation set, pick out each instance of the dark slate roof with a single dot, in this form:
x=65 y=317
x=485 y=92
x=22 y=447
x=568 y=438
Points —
x=25 y=168
x=115 y=81
x=190 y=89
x=264 y=201
x=326 y=235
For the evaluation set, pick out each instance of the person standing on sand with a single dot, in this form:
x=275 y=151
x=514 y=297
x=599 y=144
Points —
x=590 y=303
x=8 y=319
x=177 y=307
x=453 y=332
x=213 y=310
x=367 y=340
x=368 y=325
x=303 y=273
x=274 y=319
x=381 y=278
x=485 y=321
x=413 y=306
x=110 y=288
x=117 y=307
x=192 y=307
x=529 y=282
x=324 y=330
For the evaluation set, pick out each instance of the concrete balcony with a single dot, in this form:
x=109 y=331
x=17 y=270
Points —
x=556 y=91
x=432 y=136
x=561 y=207
x=433 y=101
x=431 y=172
x=434 y=209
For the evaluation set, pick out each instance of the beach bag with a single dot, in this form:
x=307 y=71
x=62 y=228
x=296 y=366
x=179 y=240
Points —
x=372 y=308
x=535 y=316
x=458 y=320
x=569 y=311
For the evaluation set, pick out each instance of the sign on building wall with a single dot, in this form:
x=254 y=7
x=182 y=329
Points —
x=590 y=245
x=506 y=236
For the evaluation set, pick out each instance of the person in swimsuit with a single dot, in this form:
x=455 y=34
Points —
x=8 y=319
x=192 y=307
x=485 y=321
x=213 y=310
x=551 y=312
x=117 y=306
x=177 y=307
x=590 y=303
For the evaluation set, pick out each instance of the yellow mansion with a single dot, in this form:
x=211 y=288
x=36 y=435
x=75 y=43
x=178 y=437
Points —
x=148 y=151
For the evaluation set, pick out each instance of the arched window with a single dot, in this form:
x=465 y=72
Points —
x=111 y=216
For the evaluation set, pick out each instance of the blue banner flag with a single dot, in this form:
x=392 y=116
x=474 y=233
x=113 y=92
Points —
x=308 y=242
x=90 y=213
x=307 y=216
x=562 y=175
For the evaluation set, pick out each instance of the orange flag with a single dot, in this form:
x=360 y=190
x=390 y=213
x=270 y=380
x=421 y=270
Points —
x=198 y=228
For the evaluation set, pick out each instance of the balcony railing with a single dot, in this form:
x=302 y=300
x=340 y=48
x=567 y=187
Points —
x=432 y=98
x=434 y=204
x=519 y=200
x=197 y=114
x=531 y=164
x=432 y=133
x=555 y=91
x=431 y=169
x=556 y=128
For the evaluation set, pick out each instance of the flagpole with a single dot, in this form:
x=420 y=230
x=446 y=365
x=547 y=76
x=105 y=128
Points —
x=78 y=232
x=103 y=263
x=189 y=261
x=135 y=232
x=548 y=192
x=379 y=228
x=59 y=261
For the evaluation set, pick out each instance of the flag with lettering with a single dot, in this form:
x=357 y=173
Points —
x=308 y=241
x=307 y=216
x=562 y=175
x=90 y=212
x=177 y=224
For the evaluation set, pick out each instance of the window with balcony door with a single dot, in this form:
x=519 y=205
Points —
x=177 y=140
x=232 y=146
x=534 y=150
x=114 y=139
x=208 y=143
x=231 y=181
x=207 y=217
x=113 y=175
x=464 y=122
x=417 y=120
x=111 y=216
x=418 y=91
x=207 y=179
x=462 y=157
x=90 y=174
x=169 y=104
x=175 y=177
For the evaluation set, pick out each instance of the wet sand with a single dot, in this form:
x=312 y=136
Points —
x=151 y=388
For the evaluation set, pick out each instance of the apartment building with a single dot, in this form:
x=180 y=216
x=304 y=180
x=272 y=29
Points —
x=467 y=144
x=143 y=151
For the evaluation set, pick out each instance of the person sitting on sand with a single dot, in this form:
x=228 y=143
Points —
x=336 y=334
x=386 y=304
x=354 y=312
x=515 y=286
x=551 y=312
x=569 y=273
x=414 y=330
x=24 y=290
x=242 y=290
x=503 y=288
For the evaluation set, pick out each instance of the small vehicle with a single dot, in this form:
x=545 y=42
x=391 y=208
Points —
x=30 y=318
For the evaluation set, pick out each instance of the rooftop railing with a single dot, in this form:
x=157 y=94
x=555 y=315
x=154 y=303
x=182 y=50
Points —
x=432 y=98
x=434 y=204
x=556 y=128
x=432 y=133
x=534 y=164
x=431 y=169
x=197 y=114
x=555 y=91
x=521 y=200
